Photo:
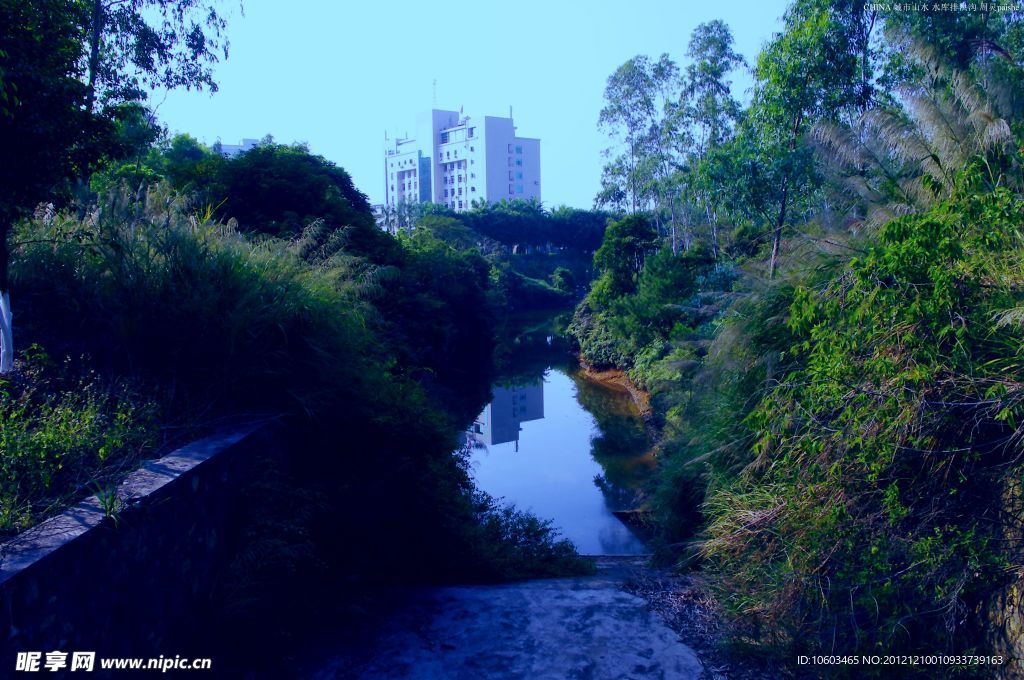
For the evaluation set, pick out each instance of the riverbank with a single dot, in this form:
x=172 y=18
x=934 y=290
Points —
x=617 y=379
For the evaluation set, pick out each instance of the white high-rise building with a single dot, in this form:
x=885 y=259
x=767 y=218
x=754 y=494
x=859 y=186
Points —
x=455 y=160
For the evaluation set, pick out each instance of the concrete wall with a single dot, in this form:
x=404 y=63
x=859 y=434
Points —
x=85 y=582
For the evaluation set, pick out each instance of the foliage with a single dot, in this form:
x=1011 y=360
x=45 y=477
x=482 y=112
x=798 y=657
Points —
x=134 y=291
x=378 y=366
x=62 y=435
x=136 y=45
x=43 y=123
x=860 y=525
x=838 y=428
x=621 y=256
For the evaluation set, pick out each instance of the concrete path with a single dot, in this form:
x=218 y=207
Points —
x=582 y=628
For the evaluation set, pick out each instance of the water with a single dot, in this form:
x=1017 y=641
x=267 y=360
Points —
x=568 y=450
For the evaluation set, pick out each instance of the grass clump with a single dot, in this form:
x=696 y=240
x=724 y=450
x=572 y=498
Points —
x=61 y=436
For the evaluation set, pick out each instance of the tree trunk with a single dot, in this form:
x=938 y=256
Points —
x=96 y=31
x=675 y=239
x=713 y=222
x=778 y=229
x=6 y=325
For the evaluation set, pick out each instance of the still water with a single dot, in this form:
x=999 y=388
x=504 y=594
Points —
x=568 y=450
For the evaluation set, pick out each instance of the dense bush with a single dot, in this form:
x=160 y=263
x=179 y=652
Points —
x=377 y=366
x=865 y=522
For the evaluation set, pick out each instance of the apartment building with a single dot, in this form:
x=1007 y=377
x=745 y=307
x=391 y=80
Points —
x=456 y=160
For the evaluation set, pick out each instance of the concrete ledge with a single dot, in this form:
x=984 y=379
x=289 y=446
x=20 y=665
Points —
x=82 y=581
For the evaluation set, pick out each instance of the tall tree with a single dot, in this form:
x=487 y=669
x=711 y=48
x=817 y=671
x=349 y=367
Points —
x=44 y=127
x=712 y=110
x=635 y=97
x=138 y=45
x=65 y=66
x=807 y=73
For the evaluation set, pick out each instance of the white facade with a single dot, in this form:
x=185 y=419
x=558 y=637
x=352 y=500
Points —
x=230 y=150
x=501 y=420
x=456 y=160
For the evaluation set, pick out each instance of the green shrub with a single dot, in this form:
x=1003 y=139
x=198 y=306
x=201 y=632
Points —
x=862 y=522
x=61 y=438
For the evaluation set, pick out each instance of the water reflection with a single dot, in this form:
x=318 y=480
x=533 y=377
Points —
x=568 y=450
x=501 y=420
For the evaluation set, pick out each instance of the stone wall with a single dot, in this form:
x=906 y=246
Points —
x=125 y=584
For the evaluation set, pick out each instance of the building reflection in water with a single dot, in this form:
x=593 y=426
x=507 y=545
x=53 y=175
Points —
x=501 y=420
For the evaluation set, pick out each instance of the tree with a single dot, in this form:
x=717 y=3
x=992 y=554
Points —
x=712 y=111
x=807 y=73
x=632 y=114
x=45 y=131
x=137 y=45
x=58 y=60
x=621 y=256
x=280 y=190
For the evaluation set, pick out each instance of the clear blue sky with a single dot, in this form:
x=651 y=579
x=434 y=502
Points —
x=337 y=74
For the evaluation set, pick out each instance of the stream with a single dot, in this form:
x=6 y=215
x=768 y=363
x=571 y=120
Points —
x=567 y=449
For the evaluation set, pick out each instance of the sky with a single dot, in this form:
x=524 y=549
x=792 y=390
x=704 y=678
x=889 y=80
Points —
x=337 y=74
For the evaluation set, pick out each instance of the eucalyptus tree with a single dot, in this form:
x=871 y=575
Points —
x=635 y=100
x=807 y=73
x=134 y=46
x=712 y=111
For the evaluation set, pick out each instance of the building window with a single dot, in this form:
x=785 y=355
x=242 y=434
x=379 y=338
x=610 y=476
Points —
x=510 y=175
x=444 y=137
x=472 y=148
x=446 y=193
x=447 y=154
x=510 y=162
x=473 y=189
x=510 y=148
x=519 y=162
x=519 y=188
x=510 y=189
x=519 y=175
x=472 y=131
x=519 y=149
x=460 y=191
x=460 y=205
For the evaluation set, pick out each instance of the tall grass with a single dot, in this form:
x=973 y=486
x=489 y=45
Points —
x=209 y=323
x=218 y=322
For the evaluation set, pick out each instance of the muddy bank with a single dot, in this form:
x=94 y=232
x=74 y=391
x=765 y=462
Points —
x=617 y=379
